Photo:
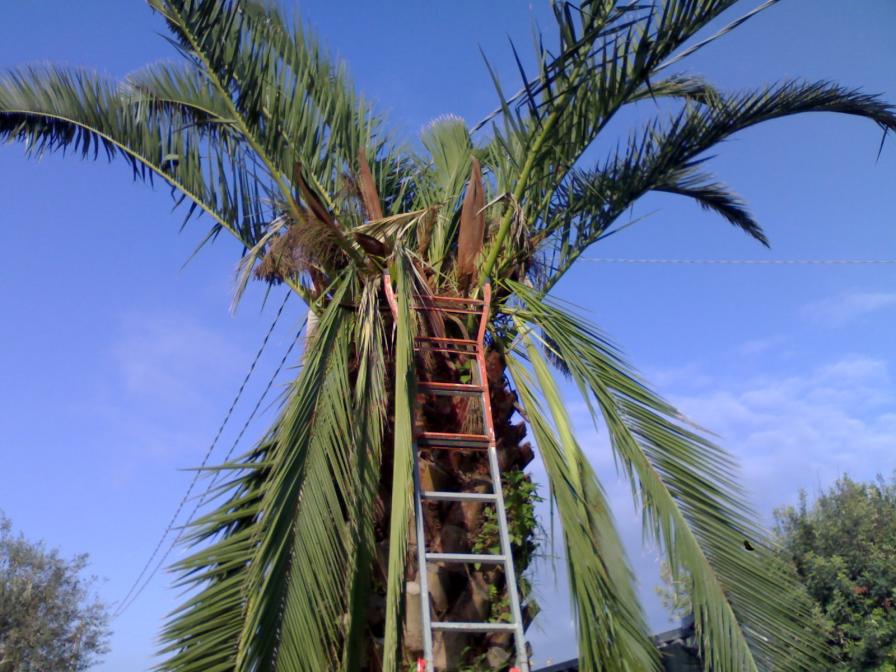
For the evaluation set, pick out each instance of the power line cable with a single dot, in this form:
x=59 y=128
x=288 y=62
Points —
x=745 y=262
x=208 y=490
x=129 y=597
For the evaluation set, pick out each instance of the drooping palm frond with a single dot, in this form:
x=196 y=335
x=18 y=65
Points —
x=612 y=633
x=289 y=602
x=58 y=109
x=369 y=411
x=608 y=54
x=748 y=612
x=666 y=157
x=202 y=633
x=404 y=461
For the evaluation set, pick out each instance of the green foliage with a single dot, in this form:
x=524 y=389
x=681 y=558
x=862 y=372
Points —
x=675 y=593
x=520 y=498
x=49 y=618
x=843 y=547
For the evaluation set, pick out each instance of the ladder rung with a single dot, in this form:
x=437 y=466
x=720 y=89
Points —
x=468 y=353
x=442 y=496
x=484 y=558
x=451 y=389
x=451 y=299
x=459 y=626
x=449 y=440
x=442 y=339
x=447 y=309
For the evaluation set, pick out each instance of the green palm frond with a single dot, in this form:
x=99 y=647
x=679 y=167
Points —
x=59 y=109
x=748 y=612
x=403 y=461
x=232 y=48
x=609 y=53
x=369 y=411
x=302 y=528
x=451 y=149
x=611 y=626
x=202 y=633
x=665 y=157
x=181 y=87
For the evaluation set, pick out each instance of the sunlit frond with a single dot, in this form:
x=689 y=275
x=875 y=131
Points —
x=748 y=612
x=58 y=109
x=665 y=157
x=611 y=628
x=403 y=461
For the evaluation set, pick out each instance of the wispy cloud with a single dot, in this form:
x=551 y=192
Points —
x=760 y=346
x=792 y=432
x=840 y=309
x=173 y=358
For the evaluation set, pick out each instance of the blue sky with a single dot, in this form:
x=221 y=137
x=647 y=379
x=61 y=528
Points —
x=118 y=364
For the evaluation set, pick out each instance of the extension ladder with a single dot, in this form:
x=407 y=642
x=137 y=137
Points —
x=449 y=306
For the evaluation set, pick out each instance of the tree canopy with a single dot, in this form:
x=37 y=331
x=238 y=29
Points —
x=843 y=548
x=50 y=618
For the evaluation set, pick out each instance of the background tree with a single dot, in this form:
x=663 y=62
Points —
x=49 y=616
x=304 y=565
x=843 y=547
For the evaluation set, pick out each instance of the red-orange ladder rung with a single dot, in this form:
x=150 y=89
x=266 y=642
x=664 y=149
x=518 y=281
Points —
x=451 y=299
x=444 y=309
x=453 y=341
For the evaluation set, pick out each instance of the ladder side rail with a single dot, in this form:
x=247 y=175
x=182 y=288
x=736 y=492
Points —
x=522 y=661
x=422 y=565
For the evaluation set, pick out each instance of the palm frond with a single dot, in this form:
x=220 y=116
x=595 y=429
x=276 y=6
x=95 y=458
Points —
x=612 y=632
x=448 y=142
x=235 y=49
x=203 y=632
x=291 y=606
x=665 y=156
x=58 y=109
x=608 y=53
x=370 y=402
x=748 y=613
x=180 y=86
x=403 y=462
x=715 y=196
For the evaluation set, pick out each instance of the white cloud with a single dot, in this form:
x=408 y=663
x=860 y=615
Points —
x=761 y=346
x=840 y=309
x=792 y=432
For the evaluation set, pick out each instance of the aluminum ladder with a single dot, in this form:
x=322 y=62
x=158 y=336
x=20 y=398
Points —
x=477 y=388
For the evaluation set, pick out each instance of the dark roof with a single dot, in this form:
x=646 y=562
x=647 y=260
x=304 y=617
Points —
x=677 y=648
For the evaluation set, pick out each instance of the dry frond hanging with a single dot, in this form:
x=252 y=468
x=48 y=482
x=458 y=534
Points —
x=472 y=226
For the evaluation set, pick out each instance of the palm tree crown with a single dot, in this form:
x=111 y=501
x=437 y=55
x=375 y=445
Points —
x=260 y=132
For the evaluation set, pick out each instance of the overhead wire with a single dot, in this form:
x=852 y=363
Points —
x=203 y=498
x=137 y=587
x=744 y=262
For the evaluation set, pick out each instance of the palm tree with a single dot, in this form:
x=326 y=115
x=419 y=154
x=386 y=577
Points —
x=304 y=563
